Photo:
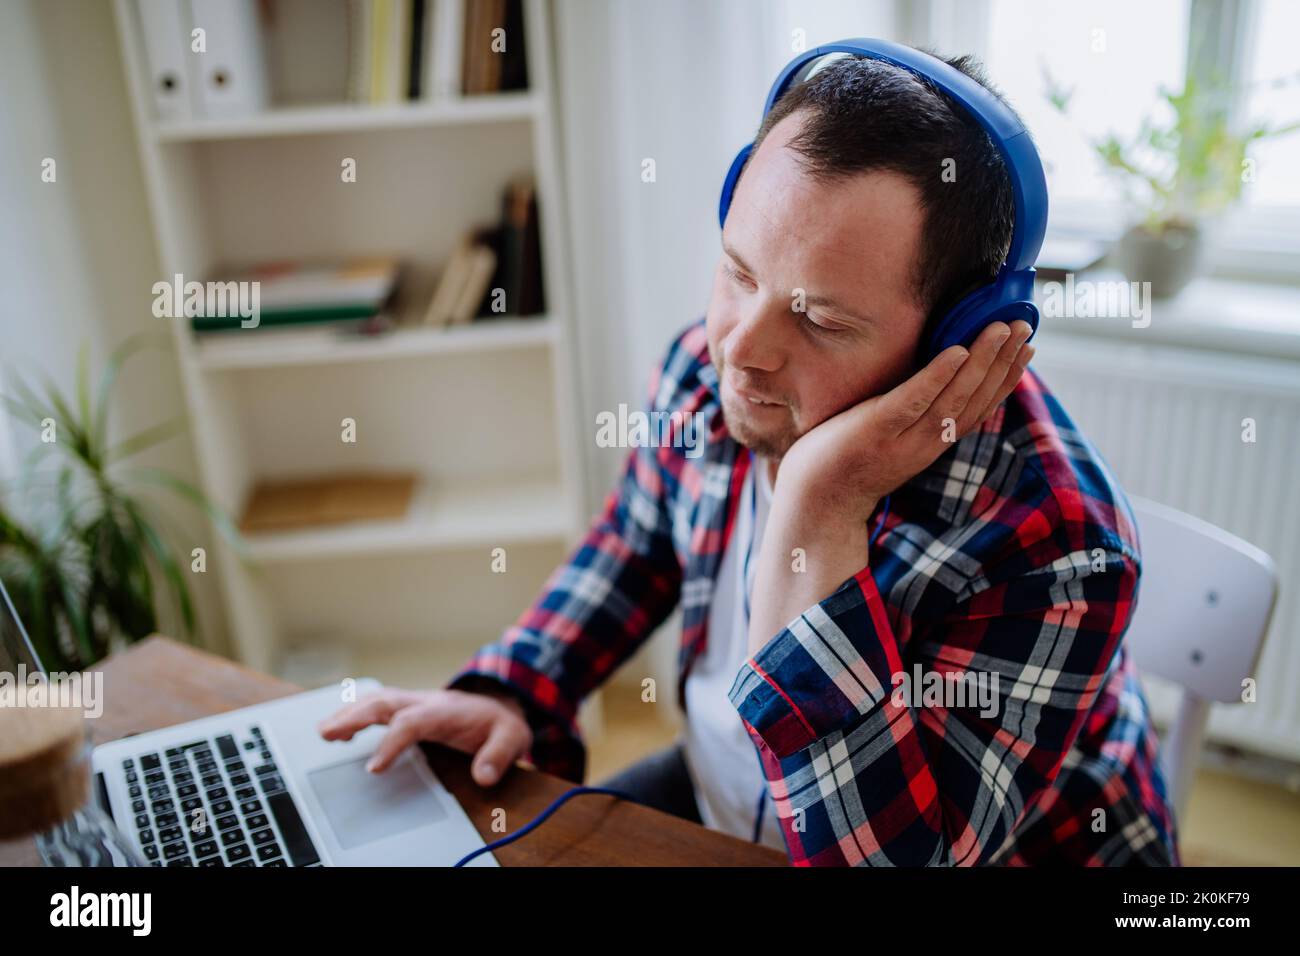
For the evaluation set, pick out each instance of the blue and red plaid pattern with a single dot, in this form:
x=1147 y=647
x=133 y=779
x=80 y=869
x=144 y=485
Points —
x=1015 y=554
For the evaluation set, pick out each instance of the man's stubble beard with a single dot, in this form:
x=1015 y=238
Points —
x=772 y=444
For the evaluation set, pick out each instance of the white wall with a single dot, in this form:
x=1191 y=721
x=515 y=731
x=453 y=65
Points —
x=76 y=256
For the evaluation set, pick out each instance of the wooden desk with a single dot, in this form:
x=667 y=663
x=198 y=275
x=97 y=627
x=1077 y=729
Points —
x=159 y=682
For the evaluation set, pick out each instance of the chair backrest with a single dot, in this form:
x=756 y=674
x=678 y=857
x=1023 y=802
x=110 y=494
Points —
x=1204 y=603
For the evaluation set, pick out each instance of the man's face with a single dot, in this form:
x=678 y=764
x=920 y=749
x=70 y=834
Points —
x=851 y=246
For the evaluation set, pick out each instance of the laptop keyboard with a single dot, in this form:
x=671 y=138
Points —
x=218 y=802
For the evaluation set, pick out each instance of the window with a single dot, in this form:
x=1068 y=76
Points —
x=1272 y=76
x=1110 y=57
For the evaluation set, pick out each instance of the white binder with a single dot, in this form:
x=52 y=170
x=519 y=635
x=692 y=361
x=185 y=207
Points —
x=166 y=30
x=446 y=26
x=230 y=76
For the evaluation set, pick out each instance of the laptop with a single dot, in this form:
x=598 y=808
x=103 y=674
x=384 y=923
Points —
x=259 y=787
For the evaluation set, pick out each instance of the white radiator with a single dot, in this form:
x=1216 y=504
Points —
x=1169 y=422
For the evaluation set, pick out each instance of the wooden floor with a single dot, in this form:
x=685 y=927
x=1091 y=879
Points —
x=1231 y=821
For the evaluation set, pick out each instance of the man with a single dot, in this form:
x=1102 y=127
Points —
x=950 y=691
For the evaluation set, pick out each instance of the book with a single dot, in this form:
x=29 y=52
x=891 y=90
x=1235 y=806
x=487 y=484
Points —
x=283 y=504
x=485 y=70
x=446 y=45
x=519 y=246
x=494 y=18
x=399 y=51
x=380 y=14
x=478 y=278
x=419 y=39
x=513 y=73
x=294 y=292
x=464 y=281
x=450 y=282
x=477 y=48
x=359 y=50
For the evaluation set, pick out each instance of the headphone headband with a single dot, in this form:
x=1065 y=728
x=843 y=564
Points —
x=1008 y=134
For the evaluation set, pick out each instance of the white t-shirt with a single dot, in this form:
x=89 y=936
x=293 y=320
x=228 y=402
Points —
x=720 y=756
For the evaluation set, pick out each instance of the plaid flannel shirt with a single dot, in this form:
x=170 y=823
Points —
x=1014 y=554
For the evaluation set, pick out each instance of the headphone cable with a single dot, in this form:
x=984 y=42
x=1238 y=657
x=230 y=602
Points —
x=542 y=818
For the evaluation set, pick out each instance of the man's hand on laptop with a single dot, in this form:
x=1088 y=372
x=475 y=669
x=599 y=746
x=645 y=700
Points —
x=488 y=725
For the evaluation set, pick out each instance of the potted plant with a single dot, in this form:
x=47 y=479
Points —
x=1185 y=164
x=82 y=554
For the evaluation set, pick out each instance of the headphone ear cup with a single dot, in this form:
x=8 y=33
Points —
x=969 y=317
x=962 y=323
x=729 y=184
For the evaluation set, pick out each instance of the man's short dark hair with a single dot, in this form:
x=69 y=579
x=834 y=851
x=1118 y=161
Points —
x=861 y=114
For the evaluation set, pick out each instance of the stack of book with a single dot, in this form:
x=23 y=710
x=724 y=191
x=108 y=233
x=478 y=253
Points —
x=495 y=271
x=409 y=49
x=351 y=292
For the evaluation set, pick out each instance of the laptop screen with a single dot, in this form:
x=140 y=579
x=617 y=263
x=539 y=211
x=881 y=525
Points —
x=15 y=648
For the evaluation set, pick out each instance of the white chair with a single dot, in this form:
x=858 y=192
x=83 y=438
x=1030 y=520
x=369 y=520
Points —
x=1204 y=603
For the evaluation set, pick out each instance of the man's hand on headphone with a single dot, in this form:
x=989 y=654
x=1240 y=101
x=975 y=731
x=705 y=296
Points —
x=487 y=725
x=849 y=462
x=830 y=481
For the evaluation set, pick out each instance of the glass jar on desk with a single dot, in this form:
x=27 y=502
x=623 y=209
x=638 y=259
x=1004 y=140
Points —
x=46 y=793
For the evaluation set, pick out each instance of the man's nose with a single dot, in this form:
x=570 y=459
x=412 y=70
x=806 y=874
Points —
x=757 y=339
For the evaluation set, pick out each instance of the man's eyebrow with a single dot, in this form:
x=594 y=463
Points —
x=735 y=257
x=809 y=300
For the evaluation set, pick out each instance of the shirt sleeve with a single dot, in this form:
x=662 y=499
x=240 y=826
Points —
x=866 y=769
x=597 y=608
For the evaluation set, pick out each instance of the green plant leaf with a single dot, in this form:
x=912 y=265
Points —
x=36 y=612
x=27 y=407
x=122 y=582
x=143 y=440
x=1055 y=92
x=166 y=563
x=132 y=345
x=83 y=384
x=72 y=436
x=77 y=620
x=187 y=491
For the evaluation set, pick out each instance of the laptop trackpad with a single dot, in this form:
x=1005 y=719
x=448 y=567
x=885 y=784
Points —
x=363 y=807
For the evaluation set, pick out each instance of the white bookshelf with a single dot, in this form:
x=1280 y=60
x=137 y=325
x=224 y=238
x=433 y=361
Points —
x=346 y=117
x=441 y=516
x=277 y=349
x=486 y=414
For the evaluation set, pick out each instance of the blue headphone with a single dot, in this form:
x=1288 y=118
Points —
x=1009 y=296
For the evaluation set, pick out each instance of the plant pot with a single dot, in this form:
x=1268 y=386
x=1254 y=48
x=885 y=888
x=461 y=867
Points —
x=1168 y=260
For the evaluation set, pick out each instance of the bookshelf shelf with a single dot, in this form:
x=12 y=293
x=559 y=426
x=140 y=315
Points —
x=272 y=349
x=348 y=117
x=442 y=515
